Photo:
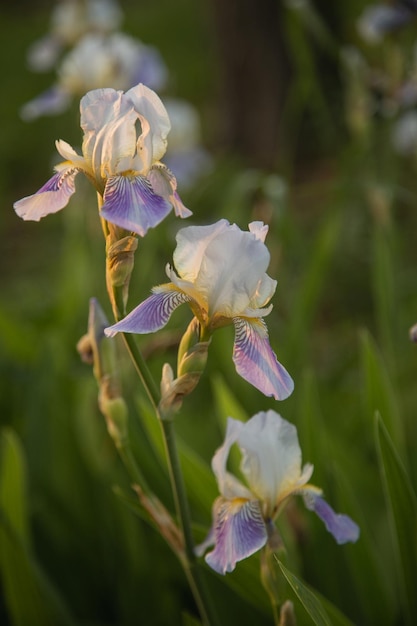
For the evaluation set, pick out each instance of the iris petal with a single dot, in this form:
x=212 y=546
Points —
x=50 y=198
x=342 y=528
x=130 y=202
x=152 y=314
x=256 y=362
x=238 y=531
x=164 y=184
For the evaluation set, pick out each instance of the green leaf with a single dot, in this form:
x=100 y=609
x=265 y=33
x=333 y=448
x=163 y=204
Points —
x=29 y=596
x=198 y=477
x=307 y=598
x=311 y=286
x=190 y=620
x=321 y=611
x=226 y=402
x=379 y=393
x=402 y=505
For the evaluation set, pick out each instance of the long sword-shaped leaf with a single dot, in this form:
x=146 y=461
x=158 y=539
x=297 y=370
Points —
x=402 y=505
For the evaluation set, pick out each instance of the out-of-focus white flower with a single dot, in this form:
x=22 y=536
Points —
x=138 y=190
x=404 y=133
x=71 y=20
x=116 y=60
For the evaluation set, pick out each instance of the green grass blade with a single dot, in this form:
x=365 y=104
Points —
x=308 y=599
x=402 y=506
x=379 y=393
x=29 y=596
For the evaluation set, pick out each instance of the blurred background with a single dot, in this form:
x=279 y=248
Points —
x=302 y=114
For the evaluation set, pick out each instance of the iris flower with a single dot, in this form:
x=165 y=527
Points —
x=98 y=60
x=220 y=274
x=244 y=513
x=121 y=161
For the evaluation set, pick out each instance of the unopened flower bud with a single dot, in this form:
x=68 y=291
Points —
x=114 y=409
x=192 y=353
x=173 y=390
x=120 y=259
x=287 y=614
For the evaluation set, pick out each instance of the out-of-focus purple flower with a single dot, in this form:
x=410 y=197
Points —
x=185 y=157
x=244 y=513
x=377 y=20
x=138 y=191
x=221 y=274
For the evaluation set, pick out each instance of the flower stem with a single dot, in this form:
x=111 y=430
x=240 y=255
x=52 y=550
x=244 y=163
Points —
x=190 y=564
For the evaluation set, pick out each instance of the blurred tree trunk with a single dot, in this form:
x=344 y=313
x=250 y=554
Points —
x=254 y=77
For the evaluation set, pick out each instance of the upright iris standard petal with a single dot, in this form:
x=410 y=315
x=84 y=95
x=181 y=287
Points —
x=50 y=198
x=343 y=529
x=147 y=103
x=130 y=202
x=271 y=460
x=152 y=314
x=256 y=362
x=238 y=532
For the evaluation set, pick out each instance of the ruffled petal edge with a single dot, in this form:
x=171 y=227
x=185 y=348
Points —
x=51 y=198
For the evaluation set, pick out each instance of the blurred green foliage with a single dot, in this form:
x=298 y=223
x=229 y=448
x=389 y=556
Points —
x=74 y=547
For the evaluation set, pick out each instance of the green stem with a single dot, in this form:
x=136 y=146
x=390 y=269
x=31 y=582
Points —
x=191 y=567
x=192 y=570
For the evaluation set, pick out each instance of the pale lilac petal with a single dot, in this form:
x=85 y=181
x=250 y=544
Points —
x=239 y=532
x=342 y=528
x=150 y=69
x=164 y=184
x=152 y=314
x=256 y=362
x=54 y=101
x=130 y=202
x=50 y=198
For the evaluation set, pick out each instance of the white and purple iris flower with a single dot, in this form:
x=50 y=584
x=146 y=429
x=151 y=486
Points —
x=244 y=513
x=125 y=136
x=220 y=274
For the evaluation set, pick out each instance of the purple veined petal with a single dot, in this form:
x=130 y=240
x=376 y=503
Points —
x=342 y=528
x=255 y=360
x=152 y=314
x=131 y=203
x=239 y=531
x=50 y=198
